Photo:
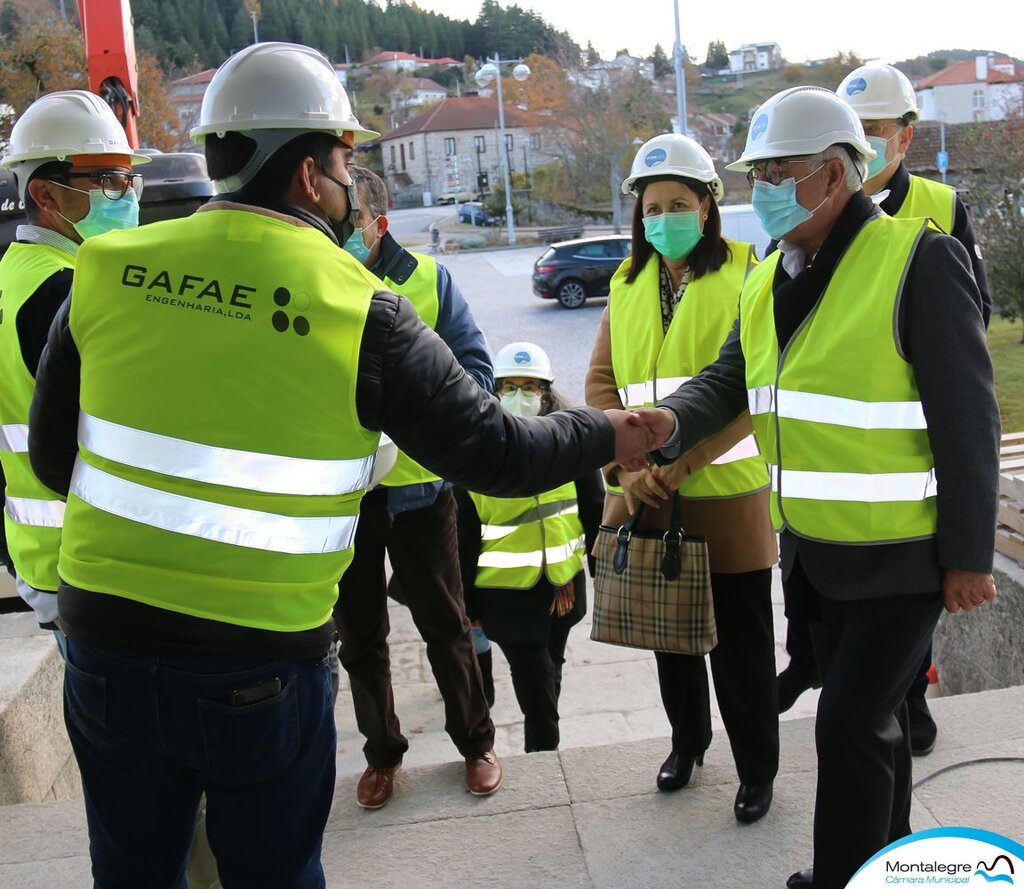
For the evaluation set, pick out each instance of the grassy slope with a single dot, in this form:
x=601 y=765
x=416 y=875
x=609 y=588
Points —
x=1004 y=340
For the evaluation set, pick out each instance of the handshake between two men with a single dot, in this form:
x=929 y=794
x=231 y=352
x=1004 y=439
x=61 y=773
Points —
x=639 y=432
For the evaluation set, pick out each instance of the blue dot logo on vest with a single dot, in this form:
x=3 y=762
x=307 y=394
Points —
x=281 y=321
x=522 y=357
x=857 y=85
x=655 y=157
x=759 y=128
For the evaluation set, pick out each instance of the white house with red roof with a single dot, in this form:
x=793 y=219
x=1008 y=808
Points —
x=983 y=88
x=407 y=62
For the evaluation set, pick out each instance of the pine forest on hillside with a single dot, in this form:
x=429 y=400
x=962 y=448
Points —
x=187 y=35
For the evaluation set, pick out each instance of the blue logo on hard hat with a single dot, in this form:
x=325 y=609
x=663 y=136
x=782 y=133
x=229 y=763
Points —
x=759 y=127
x=655 y=157
x=858 y=85
x=522 y=358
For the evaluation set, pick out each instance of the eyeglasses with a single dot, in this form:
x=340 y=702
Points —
x=113 y=184
x=773 y=171
x=530 y=387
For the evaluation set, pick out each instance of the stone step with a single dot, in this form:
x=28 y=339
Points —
x=591 y=818
x=35 y=754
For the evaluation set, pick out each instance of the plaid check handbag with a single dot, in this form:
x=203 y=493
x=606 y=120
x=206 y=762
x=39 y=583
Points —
x=652 y=589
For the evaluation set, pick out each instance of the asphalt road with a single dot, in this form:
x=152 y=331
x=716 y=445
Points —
x=497 y=286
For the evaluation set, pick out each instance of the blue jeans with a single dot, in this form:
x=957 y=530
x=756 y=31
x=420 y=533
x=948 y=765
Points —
x=151 y=734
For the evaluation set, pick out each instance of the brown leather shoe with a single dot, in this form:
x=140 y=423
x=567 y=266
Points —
x=376 y=786
x=483 y=774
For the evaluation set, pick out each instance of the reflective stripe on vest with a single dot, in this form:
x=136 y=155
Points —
x=927 y=198
x=551 y=555
x=221 y=451
x=879 y=487
x=34 y=512
x=634 y=395
x=650 y=363
x=211 y=521
x=533 y=514
x=230 y=467
x=838 y=415
x=37 y=513
x=420 y=288
x=14 y=438
x=524 y=538
x=836 y=410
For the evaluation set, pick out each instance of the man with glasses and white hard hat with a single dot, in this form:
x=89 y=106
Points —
x=73 y=167
x=883 y=459
x=884 y=100
x=211 y=400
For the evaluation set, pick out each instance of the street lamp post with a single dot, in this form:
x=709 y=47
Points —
x=678 y=58
x=487 y=73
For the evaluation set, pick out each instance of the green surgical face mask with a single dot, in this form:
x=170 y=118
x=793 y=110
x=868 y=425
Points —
x=673 y=235
x=878 y=162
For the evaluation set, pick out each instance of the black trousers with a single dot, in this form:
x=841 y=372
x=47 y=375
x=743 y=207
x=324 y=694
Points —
x=422 y=546
x=743 y=668
x=801 y=656
x=869 y=652
x=537 y=681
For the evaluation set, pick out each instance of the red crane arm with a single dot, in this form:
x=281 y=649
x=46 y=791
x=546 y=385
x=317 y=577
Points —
x=110 y=54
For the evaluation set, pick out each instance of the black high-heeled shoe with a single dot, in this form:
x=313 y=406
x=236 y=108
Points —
x=675 y=771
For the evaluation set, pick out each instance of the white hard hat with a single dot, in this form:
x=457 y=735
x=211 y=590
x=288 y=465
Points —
x=673 y=154
x=523 y=360
x=879 y=92
x=59 y=126
x=277 y=86
x=799 y=121
x=387 y=455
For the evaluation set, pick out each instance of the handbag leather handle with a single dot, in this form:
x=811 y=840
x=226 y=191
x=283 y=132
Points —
x=671 y=560
x=621 y=557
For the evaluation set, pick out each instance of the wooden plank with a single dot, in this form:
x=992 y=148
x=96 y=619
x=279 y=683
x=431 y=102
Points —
x=1012 y=465
x=1010 y=450
x=1012 y=437
x=1012 y=486
x=1010 y=544
x=1011 y=514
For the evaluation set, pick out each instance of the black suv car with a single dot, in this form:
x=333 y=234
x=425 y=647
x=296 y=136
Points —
x=572 y=271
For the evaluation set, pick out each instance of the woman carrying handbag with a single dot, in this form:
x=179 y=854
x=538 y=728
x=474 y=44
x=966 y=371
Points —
x=672 y=303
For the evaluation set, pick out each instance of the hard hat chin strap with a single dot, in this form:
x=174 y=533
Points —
x=267 y=144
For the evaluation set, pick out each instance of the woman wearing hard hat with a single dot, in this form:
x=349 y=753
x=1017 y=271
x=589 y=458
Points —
x=522 y=558
x=672 y=304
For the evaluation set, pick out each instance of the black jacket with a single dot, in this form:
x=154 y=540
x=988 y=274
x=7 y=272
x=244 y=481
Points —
x=409 y=385
x=963 y=231
x=942 y=333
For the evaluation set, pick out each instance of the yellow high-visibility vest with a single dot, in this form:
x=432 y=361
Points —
x=221 y=457
x=838 y=414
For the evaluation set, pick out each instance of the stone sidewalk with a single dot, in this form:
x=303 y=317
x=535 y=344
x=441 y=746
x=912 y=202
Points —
x=609 y=696
x=590 y=817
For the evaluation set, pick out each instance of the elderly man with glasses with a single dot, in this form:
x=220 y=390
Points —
x=73 y=167
x=860 y=351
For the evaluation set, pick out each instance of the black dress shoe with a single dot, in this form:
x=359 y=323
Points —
x=923 y=730
x=753 y=802
x=802 y=879
x=793 y=682
x=676 y=770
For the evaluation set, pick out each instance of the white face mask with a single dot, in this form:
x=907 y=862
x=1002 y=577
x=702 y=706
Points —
x=522 y=404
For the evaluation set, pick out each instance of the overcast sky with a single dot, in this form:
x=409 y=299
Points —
x=889 y=30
